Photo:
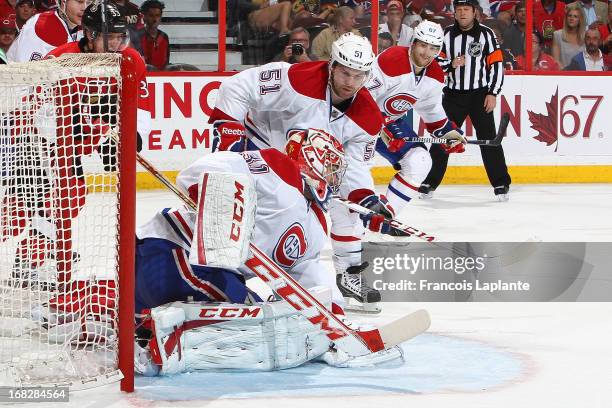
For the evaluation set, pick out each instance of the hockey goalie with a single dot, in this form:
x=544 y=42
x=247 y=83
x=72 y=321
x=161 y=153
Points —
x=195 y=309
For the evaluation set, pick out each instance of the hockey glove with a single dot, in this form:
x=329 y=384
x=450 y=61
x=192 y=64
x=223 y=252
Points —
x=383 y=212
x=378 y=204
x=228 y=136
x=455 y=141
x=394 y=135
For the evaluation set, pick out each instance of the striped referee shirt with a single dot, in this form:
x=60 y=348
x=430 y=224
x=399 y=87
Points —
x=484 y=61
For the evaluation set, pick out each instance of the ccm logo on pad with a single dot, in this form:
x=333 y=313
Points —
x=238 y=212
x=230 y=312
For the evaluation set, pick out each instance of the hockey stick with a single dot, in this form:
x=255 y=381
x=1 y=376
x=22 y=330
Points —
x=354 y=343
x=496 y=141
x=406 y=229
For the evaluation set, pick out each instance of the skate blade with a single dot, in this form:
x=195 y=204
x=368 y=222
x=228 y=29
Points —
x=353 y=306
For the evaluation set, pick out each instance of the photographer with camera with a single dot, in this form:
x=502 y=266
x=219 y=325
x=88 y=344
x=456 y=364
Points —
x=297 y=48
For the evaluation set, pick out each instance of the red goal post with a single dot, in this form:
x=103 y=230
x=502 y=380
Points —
x=67 y=221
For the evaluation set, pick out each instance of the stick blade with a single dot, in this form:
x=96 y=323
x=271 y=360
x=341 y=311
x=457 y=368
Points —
x=405 y=328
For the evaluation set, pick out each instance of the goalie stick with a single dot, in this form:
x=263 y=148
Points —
x=496 y=141
x=353 y=343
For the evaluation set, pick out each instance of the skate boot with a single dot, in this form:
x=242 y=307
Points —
x=355 y=289
x=426 y=192
x=502 y=193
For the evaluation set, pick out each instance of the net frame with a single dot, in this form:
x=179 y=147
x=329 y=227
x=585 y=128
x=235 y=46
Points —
x=30 y=79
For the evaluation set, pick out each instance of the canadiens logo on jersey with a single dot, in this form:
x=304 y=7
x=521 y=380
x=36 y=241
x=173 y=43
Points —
x=291 y=246
x=399 y=104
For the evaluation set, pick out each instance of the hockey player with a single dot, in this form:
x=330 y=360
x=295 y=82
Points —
x=404 y=79
x=282 y=198
x=92 y=123
x=260 y=107
x=46 y=31
x=292 y=192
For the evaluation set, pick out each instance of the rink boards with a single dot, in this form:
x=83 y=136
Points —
x=559 y=130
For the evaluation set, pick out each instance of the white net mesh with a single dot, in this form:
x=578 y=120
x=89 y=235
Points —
x=59 y=221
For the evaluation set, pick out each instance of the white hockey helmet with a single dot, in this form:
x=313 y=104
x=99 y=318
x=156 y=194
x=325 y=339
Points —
x=353 y=51
x=320 y=158
x=429 y=33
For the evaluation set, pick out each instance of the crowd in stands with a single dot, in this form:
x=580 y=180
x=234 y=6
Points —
x=567 y=35
x=143 y=25
x=570 y=35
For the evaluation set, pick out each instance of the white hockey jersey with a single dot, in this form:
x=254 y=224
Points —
x=288 y=228
x=40 y=35
x=273 y=99
x=397 y=89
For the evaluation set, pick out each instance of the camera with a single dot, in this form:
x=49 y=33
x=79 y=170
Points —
x=297 y=49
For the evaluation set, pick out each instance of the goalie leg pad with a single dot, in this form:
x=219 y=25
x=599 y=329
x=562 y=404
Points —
x=267 y=336
x=225 y=220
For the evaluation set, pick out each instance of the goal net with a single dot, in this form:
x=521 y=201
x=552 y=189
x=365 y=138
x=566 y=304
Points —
x=61 y=215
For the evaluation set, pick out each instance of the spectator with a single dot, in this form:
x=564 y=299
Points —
x=361 y=7
x=152 y=43
x=24 y=9
x=401 y=33
x=505 y=19
x=8 y=32
x=515 y=34
x=269 y=16
x=384 y=41
x=569 y=41
x=594 y=11
x=7 y=7
x=310 y=13
x=548 y=17
x=591 y=59
x=540 y=61
x=498 y=6
x=342 y=21
x=606 y=31
x=298 y=47
x=509 y=59
x=45 y=5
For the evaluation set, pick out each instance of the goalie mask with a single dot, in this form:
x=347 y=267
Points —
x=320 y=158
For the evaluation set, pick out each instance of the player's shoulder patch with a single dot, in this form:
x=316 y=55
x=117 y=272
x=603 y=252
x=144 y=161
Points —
x=394 y=61
x=434 y=71
x=309 y=78
x=365 y=112
x=50 y=29
x=284 y=167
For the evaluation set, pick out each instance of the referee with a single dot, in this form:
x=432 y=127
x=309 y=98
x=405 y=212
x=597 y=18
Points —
x=474 y=64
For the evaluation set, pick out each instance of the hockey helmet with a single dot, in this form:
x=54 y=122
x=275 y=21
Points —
x=93 y=19
x=429 y=33
x=320 y=158
x=353 y=51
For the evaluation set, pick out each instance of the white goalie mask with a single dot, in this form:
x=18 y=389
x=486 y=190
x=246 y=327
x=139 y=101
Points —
x=320 y=158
